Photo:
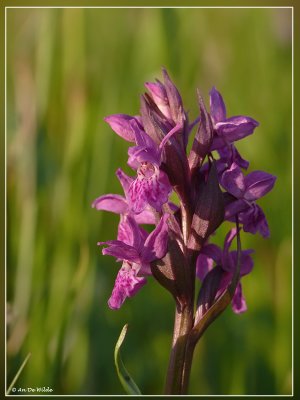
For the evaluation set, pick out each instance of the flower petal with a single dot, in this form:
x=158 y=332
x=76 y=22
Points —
x=120 y=123
x=204 y=264
x=236 y=128
x=157 y=242
x=233 y=181
x=120 y=250
x=125 y=180
x=147 y=216
x=127 y=284
x=233 y=208
x=111 y=202
x=254 y=220
x=217 y=106
x=258 y=183
x=238 y=302
x=246 y=261
x=153 y=190
x=141 y=137
x=130 y=233
x=140 y=154
x=230 y=154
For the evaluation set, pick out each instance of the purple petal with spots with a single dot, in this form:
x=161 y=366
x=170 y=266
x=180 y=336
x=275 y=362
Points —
x=138 y=195
x=125 y=233
x=217 y=106
x=151 y=187
x=127 y=284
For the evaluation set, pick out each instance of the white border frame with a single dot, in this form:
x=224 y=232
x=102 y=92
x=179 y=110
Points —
x=5 y=201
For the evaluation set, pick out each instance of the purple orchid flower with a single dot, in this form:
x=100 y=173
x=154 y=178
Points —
x=121 y=205
x=137 y=249
x=227 y=130
x=245 y=190
x=151 y=186
x=229 y=155
x=163 y=162
x=227 y=261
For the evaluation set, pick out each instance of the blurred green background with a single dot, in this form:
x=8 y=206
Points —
x=66 y=70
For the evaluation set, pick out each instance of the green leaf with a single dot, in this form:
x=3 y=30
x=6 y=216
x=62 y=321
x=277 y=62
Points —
x=127 y=382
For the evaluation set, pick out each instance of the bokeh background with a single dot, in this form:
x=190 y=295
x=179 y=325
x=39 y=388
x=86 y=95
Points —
x=66 y=70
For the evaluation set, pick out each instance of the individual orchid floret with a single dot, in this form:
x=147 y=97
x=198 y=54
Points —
x=245 y=190
x=229 y=155
x=226 y=263
x=121 y=205
x=151 y=186
x=227 y=130
x=137 y=249
x=254 y=220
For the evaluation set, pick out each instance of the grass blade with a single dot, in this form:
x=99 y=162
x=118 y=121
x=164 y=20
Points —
x=126 y=380
x=18 y=374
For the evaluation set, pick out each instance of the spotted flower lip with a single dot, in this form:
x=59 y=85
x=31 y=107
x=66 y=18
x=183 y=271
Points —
x=127 y=284
x=227 y=130
x=151 y=186
x=137 y=249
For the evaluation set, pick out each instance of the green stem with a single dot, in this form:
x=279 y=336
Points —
x=181 y=355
